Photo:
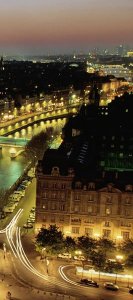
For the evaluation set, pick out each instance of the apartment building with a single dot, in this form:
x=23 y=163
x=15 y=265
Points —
x=79 y=207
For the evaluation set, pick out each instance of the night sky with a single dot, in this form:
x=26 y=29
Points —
x=64 y=26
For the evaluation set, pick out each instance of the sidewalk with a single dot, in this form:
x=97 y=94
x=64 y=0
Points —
x=21 y=293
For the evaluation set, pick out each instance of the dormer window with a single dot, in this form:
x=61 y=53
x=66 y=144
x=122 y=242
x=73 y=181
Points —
x=55 y=171
x=78 y=185
x=91 y=186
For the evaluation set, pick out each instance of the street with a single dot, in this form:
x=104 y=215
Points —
x=21 y=268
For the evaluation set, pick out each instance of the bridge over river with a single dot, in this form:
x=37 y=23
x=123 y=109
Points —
x=18 y=142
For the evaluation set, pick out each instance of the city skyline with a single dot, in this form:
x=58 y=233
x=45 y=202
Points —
x=61 y=27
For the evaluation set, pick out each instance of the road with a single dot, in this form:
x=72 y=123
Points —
x=22 y=267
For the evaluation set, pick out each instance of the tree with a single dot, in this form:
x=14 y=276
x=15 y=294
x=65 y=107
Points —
x=3 y=198
x=114 y=267
x=51 y=238
x=70 y=244
x=127 y=246
x=129 y=261
x=106 y=246
x=98 y=259
x=36 y=146
x=86 y=244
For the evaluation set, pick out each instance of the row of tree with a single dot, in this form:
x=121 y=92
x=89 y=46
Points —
x=98 y=251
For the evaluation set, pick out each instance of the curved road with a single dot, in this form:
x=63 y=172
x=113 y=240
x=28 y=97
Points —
x=28 y=271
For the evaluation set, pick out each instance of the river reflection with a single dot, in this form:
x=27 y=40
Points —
x=32 y=130
x=11 y=169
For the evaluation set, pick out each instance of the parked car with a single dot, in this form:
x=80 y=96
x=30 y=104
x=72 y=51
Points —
x=8 y=209
x=12 y=204
x=32 y=209
x=15 y=200
x=26 y=182
x=79 y=257
x=21 y=188
x=111 y=286
x=64 y=255
x=19 y=192
x=89 y=283
x=31 y=217
x=31 y=220
x=28 y=225
x=15 y=197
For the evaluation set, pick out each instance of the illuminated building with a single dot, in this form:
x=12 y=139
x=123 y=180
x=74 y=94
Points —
x=97 y=208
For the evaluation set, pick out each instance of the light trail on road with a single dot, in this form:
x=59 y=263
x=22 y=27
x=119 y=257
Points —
x=17 y=249
x=62 y=274
x=13 y=221
x=13 y=234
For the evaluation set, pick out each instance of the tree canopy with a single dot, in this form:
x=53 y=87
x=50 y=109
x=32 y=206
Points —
x=52 y=239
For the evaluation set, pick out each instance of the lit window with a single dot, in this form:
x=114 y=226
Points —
x=54 y=185
x=77 y=197
x=125 y=235
x=53 y=206
x=63 y=186
x=127 y=212
x=62 y=207
x=75 y=230
x=76 y=208
x=45 y=195
x=89 y=231
x=90 y=198
x=89 y=209
x=78 y=185
x=107 y=224
x=62 y=196
x=53 y=195
x=108 y=211
x=106 y=233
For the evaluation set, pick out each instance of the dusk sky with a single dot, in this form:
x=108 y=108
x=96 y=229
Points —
x=64 y=26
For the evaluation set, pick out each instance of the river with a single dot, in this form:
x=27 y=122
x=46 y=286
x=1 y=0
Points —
x=12 y=169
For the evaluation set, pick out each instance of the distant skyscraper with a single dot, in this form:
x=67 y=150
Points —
x=120 y=50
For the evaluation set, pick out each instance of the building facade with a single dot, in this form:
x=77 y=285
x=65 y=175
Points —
x=79 y=209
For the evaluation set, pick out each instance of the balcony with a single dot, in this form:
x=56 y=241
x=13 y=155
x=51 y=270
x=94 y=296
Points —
x=76 y=221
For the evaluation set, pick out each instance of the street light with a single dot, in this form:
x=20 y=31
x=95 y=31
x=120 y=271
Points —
x=42 y=252
x=119 y=239
x=78 y=252
x=97 y=235
x=47 y=263
x=119 y=257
